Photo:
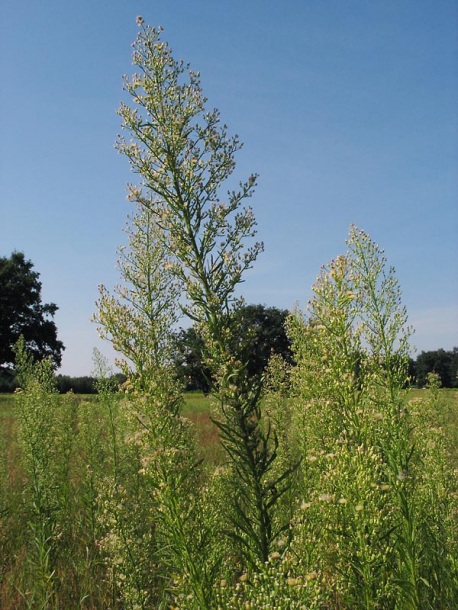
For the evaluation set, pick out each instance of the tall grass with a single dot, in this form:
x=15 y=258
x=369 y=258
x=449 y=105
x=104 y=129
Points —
x=322 y=486
x=85 y=542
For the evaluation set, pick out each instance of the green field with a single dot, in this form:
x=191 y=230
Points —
x=56 y=523
x=198 y=409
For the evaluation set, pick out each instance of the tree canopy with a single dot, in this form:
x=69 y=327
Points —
x=443 y=363
x=22 y=313
x=258 y=332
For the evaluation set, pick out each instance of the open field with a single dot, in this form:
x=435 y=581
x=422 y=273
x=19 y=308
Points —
x=59 y=514
x=448 y=417
x=198 y=409
x=196 y=402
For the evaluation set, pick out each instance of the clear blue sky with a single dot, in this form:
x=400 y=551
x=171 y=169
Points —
x=348 y=110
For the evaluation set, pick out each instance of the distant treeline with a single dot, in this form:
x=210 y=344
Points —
x=443 y=363
x=83 y=385
x=65 y=383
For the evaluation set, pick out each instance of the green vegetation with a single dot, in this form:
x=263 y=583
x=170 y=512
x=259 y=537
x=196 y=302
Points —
x=323 y=485
x=441 y=362
x=78 y=576
x=258 y=333
x=196 y=402
x=23 y=313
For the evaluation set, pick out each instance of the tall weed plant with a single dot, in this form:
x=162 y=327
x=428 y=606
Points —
x=46 y=428
x=185 y=156
x=360 y=445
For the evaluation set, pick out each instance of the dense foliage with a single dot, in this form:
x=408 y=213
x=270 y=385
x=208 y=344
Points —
x=22 y=313
x=85 y=384
x=262 y=333
x=441 y=362
x=258 y=333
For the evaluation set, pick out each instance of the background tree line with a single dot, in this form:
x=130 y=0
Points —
x=260 y=332
x=443 y=363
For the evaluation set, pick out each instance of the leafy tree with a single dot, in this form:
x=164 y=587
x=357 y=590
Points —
x=443 y=363
x=23 y=313
x=77 y=385
x=258 y=332
x=8 y=382
x=454 y=367
x=188 y=362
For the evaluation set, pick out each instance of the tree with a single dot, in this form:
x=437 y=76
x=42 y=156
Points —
x=188 y=362
x=23 y=314
x=259 y=332
x=443 y=363
x=454 y=367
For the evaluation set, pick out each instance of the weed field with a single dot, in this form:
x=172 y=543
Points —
x=68 y=542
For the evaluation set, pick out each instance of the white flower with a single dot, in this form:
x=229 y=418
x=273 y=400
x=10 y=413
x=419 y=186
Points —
x=326 y=497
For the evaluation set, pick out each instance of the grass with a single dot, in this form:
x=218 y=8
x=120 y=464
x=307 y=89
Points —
x=447 y=417
x=196 y=402
x=198 y=410
x=13 y=570
x=6 y=405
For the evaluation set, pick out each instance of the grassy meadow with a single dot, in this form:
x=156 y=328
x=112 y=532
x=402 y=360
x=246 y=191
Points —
x=72 y=539
x=198 y=409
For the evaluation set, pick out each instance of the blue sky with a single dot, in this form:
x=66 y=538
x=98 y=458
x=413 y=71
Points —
x=348 y=111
